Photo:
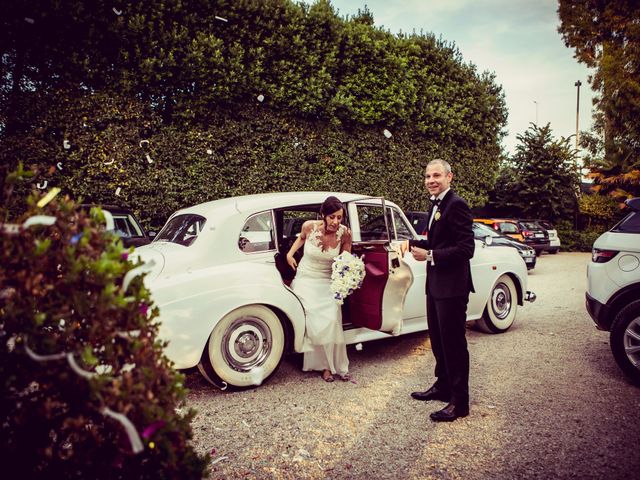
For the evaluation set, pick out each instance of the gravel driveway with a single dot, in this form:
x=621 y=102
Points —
x=547 y=401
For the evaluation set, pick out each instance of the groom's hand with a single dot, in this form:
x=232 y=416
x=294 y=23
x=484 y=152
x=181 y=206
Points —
x=419 y=254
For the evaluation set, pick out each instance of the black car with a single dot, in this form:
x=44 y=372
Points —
x=482 y=231
x=419 y=221
x=124 y=223
x=534 y=235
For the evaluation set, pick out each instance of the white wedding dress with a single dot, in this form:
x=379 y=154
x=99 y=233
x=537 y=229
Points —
x=323 y=346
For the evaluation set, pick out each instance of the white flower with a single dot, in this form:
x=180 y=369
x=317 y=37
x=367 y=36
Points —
x=347 y=275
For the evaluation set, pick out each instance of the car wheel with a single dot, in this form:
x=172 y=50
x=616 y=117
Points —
x=501 y=308
x=244 y=349
x=625 y=340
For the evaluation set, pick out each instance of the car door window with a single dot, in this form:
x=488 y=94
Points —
x=125 y=226
x=402 y=230
x=372 y=223
x=257 y=234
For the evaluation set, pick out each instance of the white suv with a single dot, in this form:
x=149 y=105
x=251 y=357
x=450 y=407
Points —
x=613 y=289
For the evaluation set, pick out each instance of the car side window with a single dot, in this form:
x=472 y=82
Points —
x=257 y=234
x=402 y=229
x=372 y=224
x=125 y=226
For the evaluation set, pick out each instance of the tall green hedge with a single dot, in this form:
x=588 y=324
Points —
x=285 y=96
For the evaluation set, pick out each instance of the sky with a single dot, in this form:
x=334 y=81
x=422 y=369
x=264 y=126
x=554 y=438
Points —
x=515 y=39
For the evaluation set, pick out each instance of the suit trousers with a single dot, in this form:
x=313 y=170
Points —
x=446 y=319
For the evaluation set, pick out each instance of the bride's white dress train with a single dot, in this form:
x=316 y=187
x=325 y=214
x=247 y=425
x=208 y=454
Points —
x=323 y=346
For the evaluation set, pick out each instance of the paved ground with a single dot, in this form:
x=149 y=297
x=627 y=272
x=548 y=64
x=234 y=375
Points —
x=547 y=401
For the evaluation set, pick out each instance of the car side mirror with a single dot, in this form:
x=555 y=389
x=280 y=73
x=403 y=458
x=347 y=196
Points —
x=488 y=240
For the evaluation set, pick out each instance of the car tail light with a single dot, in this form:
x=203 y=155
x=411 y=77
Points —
x=602 y=256
x=527 y=233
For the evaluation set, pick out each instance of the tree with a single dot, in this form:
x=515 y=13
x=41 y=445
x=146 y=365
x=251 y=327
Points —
x=606 y=36
x=86 y=391
x=541 y=180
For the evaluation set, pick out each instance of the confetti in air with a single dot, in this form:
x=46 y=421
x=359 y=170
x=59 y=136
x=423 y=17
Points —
x=109 y=162
x=144 y=143
x=261 y=98
x=66 y=145
x=387 y=133
x=29 y=20
x=118 y=191
x=59 y=165
x=221 y=19
x=116 y=11
x=42 y=186
x=149 y=159
x=359 y=347
x=48 y=197
x=209 y=151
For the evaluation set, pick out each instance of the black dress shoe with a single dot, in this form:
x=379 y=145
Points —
x=432 y=394
x=449 y=413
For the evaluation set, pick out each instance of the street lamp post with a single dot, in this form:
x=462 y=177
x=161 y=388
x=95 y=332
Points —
x=577 y=84
x=536 y=102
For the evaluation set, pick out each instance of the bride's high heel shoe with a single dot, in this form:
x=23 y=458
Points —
x=327 y=376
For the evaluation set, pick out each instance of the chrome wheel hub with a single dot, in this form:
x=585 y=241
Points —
x=501 y=301
x=631 y=342
x=246 y=343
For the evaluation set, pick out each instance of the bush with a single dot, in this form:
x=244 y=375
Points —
x=86 y=389
x=574 y=240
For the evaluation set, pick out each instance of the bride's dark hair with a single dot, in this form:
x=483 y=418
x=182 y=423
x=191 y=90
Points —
x=329 y=206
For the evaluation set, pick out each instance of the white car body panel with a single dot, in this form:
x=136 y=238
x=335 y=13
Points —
x=619 y=272
x=195 y=286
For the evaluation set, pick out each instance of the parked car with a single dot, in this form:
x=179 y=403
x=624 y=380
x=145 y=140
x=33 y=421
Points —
x=525 y=231
x=226 y=307
x=505 y=226
x=124 y=223
x=554 y=239
x=482 y=231
x=613 y=289
x=419 y=221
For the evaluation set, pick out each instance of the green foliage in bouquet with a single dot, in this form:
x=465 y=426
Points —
x=86 y=389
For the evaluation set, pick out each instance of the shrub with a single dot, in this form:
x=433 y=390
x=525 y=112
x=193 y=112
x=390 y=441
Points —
x=86 y=389
x=574 y=240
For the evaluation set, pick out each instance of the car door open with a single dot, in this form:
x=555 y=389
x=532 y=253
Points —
x=379 y=303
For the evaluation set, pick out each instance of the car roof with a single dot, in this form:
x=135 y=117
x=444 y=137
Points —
x=268 y=201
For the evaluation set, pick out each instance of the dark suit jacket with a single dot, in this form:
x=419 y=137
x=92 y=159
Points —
x=451 y=240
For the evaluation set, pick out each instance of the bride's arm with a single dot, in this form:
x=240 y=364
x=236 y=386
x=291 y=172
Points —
x=346 y=241
x=306 y=228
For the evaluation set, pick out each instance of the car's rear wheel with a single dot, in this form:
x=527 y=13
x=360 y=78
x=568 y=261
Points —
x=244 y=349
x=501 y=308
x=625 y=340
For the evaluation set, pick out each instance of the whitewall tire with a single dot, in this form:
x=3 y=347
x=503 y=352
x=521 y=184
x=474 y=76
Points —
x=244 y=348
x=501 y=308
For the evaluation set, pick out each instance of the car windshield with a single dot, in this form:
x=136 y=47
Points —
x=531 y=225
x=181 y=229
x=482 y=231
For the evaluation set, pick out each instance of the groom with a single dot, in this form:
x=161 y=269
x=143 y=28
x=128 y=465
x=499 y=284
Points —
x=447 y=251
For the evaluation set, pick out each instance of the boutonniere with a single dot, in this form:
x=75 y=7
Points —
x=436 y=217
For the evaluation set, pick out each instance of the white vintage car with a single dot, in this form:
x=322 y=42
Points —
x=220 y=279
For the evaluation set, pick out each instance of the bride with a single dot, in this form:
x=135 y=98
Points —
x=324 y=347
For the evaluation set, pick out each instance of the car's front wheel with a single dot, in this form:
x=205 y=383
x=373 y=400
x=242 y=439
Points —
x=244 y=349
x=501 y=308
x=625 y=340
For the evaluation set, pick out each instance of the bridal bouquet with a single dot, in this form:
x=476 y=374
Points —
x=346 y=276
